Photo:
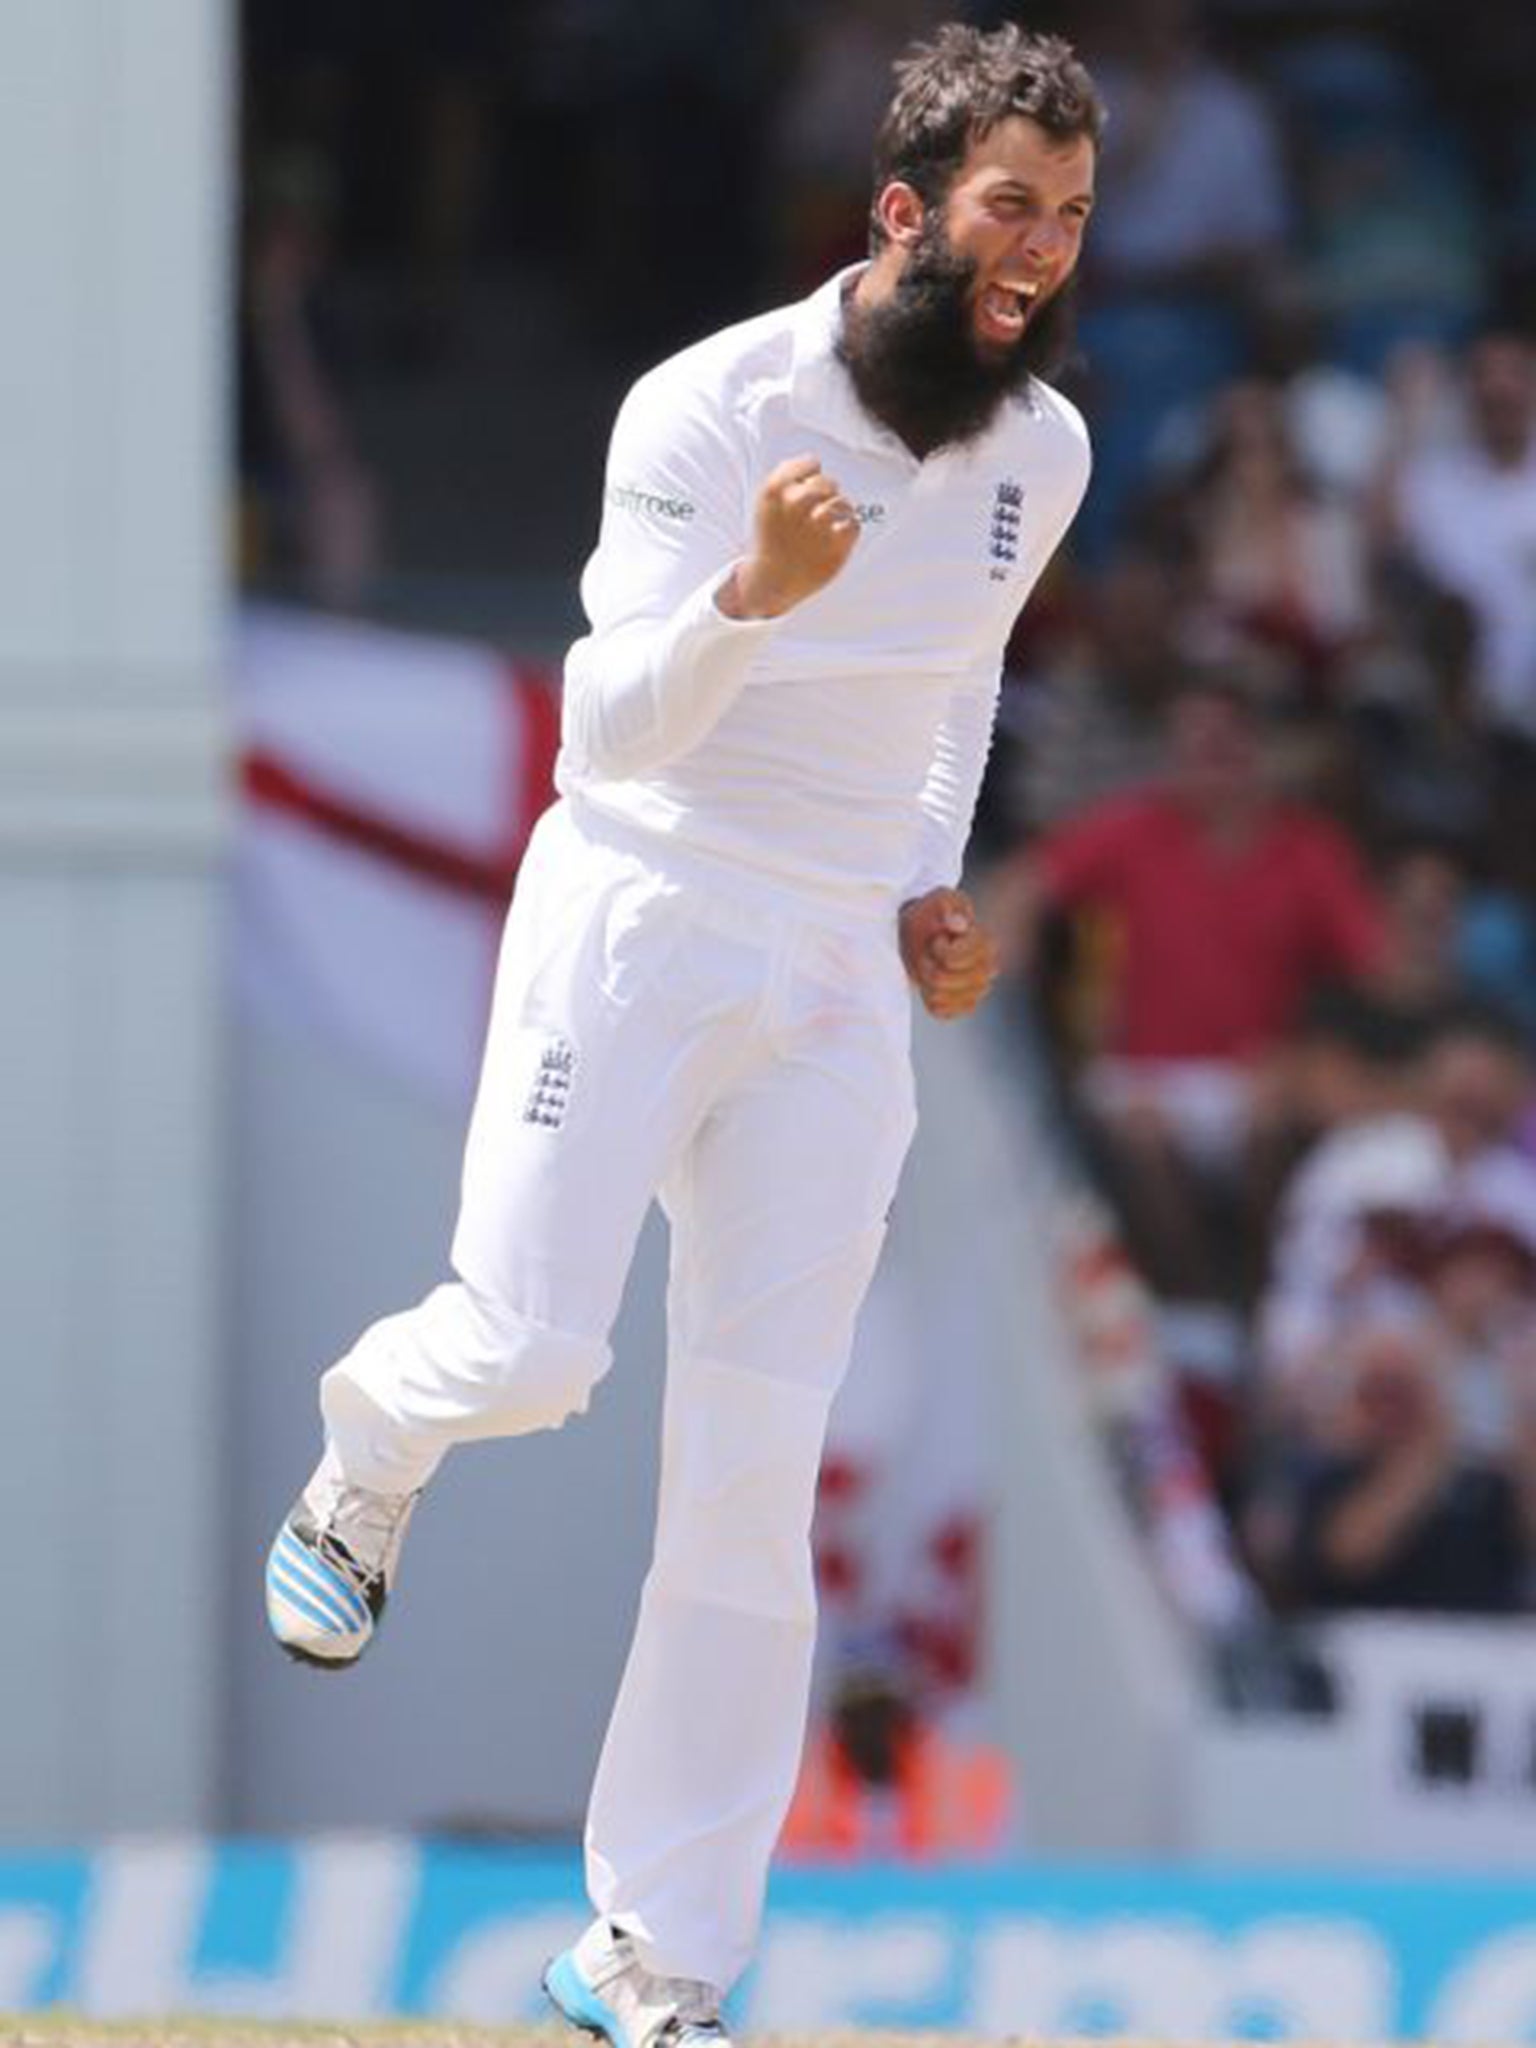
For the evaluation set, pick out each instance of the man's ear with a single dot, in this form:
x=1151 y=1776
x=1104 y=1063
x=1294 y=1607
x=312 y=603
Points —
x=899 y=210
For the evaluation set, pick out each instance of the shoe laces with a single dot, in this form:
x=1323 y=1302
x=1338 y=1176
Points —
x=695 y=2014
x=361 y=1531
x=695 y=2005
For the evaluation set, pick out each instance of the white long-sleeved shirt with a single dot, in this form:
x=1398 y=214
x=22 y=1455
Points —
x=838 y=749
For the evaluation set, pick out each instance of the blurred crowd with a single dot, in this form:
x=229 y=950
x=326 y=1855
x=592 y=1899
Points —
x=1260 y=827
x=1263 y=823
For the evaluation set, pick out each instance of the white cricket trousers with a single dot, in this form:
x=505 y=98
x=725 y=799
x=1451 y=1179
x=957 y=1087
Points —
x=655 y=1033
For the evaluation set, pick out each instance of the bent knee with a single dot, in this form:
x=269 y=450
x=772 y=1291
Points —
x=466 y=1365
x=536 y=1377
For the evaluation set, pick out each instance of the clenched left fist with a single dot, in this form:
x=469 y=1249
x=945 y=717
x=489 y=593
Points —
x=950 y=960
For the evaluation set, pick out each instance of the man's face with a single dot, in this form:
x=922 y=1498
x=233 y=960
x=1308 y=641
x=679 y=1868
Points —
x=1391 y=1386
x=1136 y=615
x=1474 y=1089
x=971 y=305
x=1501 y=381
x=1017 y=210
x=1213 y=748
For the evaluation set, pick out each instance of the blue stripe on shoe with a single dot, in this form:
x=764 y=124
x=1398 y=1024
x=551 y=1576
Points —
x=319 y=1595
x=323 y=1587
x=323 y=1578
x=575 y=1998
x=290 y=1586
x=284 y=1590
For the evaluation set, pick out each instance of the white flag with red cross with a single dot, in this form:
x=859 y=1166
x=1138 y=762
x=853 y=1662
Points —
x=390 y=781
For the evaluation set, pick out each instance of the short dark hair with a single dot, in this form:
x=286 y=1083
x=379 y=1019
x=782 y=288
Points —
x=953 y=91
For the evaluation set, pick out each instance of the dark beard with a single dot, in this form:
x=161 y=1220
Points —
x=914 y=359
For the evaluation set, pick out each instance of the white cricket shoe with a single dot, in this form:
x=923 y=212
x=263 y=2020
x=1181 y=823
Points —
x=331 y=1567
x=602 y=1986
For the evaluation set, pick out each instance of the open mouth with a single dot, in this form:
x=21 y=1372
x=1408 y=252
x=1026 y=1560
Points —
x=1004 y=309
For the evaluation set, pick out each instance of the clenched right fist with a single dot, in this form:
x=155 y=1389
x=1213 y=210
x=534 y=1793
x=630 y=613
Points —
x=804 y=530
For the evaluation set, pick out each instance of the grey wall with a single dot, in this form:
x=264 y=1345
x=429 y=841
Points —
x=487 y=1692
x=114 y=197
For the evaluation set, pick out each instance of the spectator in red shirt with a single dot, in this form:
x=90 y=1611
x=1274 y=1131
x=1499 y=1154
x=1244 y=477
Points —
x=1217 y=909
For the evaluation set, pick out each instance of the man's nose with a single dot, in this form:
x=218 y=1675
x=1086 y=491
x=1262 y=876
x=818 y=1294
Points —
x=1043 y=242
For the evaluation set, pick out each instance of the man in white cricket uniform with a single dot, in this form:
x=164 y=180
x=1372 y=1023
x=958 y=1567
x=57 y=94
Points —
x=818 y=529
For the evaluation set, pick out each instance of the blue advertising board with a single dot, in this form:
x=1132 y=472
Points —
x=360 y=1927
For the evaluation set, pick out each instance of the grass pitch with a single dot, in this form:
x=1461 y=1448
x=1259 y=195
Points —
x=63 y=2030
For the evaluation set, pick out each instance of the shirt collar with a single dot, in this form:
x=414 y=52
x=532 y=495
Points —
x=821 y=391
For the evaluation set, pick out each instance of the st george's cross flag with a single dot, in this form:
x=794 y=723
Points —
x=389 y=783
